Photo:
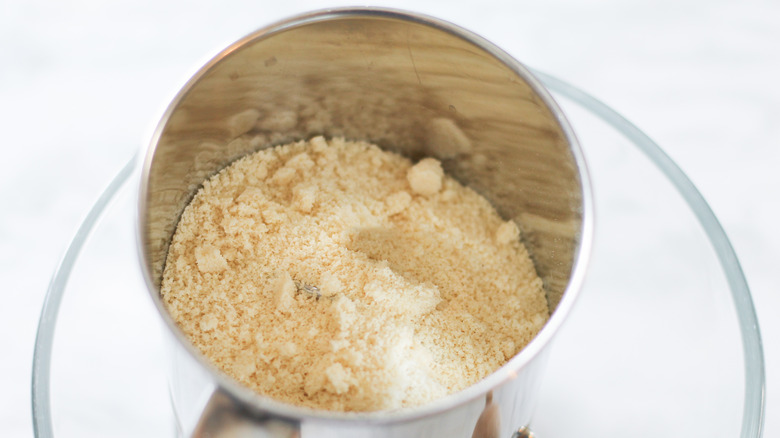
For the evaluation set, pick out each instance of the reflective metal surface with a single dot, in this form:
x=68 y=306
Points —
x=409 y=83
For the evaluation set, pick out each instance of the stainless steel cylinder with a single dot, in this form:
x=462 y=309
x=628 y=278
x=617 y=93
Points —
x=409 y=83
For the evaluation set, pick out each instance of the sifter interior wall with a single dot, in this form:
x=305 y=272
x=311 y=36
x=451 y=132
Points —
x=412 y=88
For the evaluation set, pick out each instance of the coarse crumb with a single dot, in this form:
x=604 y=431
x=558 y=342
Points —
x=425 y=177
x=446 y=139
x=421 y=288
x=243 y=122
x=507 y=232
x=397 y=202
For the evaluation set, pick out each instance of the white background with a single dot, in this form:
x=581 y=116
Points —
x=83 y=82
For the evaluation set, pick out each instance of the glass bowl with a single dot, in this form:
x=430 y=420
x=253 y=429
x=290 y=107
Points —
x=664 y=338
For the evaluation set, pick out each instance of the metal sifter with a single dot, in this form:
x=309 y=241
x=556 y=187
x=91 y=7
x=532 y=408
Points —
x=412 y=84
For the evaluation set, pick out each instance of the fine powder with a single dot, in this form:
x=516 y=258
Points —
x=336 y=275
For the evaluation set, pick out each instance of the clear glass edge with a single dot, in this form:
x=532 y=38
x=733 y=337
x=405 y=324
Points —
x=753 y=354
x=47 y=324
x=755 y=390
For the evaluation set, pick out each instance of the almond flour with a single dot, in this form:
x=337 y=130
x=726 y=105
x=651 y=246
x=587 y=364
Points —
x=338 y=276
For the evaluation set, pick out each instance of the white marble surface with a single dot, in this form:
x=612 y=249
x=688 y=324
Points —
x=83 y=82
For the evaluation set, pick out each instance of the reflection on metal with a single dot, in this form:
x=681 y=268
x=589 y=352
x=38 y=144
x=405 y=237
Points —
x=523 y=432
x=224 y=418
x=489 y=423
